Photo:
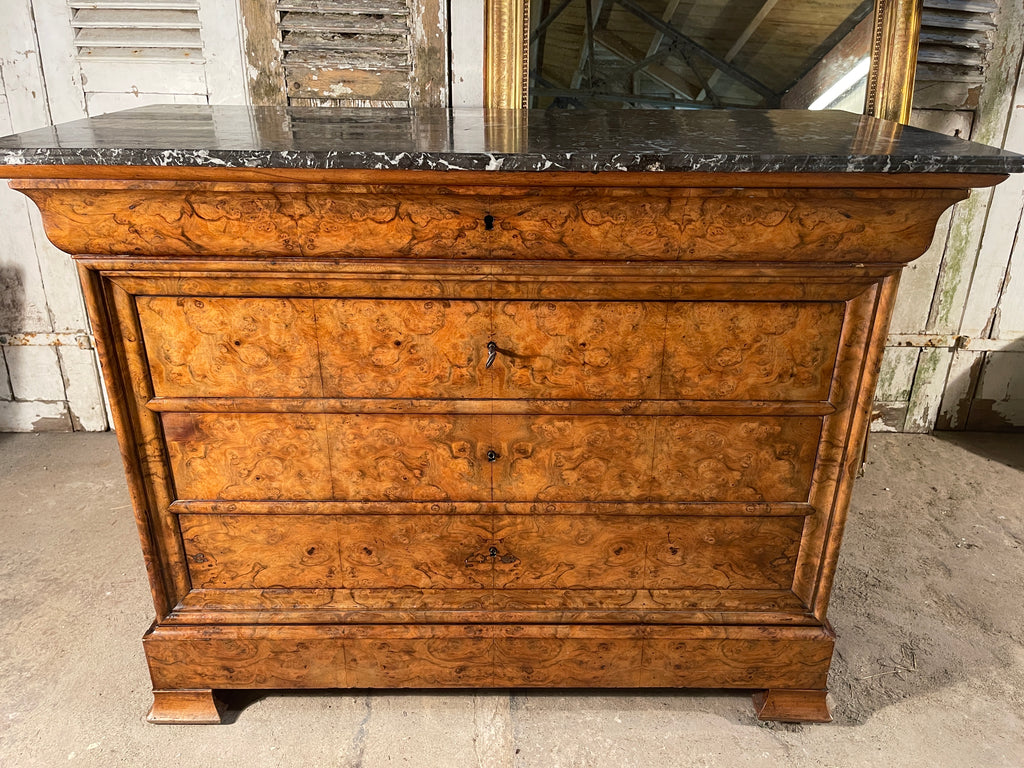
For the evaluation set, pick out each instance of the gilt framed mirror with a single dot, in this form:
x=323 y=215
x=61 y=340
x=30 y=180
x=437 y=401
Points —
x=699 y=54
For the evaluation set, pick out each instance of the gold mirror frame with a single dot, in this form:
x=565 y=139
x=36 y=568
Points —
x=897 y=25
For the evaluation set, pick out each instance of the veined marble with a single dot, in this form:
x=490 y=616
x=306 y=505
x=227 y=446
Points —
x=712 y=141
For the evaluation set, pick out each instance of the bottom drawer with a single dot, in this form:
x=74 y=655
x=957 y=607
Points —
x=490 y=551
x=370 y=656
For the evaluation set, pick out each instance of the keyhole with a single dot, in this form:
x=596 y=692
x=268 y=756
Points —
x=493 y=456
x=493 y=551
x=488 y=222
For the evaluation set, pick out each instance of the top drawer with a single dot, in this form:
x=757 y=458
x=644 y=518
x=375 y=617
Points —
x=390 y=348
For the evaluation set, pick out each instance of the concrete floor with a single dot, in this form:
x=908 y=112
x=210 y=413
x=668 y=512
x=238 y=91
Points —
x=929 y=669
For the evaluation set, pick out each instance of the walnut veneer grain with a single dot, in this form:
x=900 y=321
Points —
x=372 y=348
x=451 y=457
x=642 y=482
x=619 y=223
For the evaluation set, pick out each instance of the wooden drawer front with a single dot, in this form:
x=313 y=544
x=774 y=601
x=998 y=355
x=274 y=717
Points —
x=328 y=456
x=410 y=458
x=666 y=350
x=230 y=347
x=483 y=552
x=660 y=458
x=324 y=551
x=474 y=655
x=240 y=347
x=722 y=553
x=578 y=350
x=248 y=456
x=387 y=348
x=750 y=350
x=734 y=458
x=380 y=457
x=620 y=552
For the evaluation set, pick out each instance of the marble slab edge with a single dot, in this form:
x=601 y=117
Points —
x=579 y=162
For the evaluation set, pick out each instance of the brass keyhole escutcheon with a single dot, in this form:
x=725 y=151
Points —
x=493 y=455
x=492 y=352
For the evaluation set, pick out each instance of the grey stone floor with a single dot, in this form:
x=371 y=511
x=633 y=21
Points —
x=929 y=669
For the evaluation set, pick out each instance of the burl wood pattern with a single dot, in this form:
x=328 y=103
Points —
x=522 y=659
x=263 y=347
x=647 y=488
x=477 y=552
x=396 y=279
x=734 y=458
x=410 y=458
x=128 y=367
x=252 y=456
x=404 y=605
x=415 y=348
x=860 y=349
x=328 y=551
x=231 y=347
x=670 y=458
x=748 y=351
x=575 y=350
x=680 y=224
x=573 y=458
x=431 y=457
x=467 y=655
x=722 y=553
x=577 y=552
x=366 y=348
x=801 y=662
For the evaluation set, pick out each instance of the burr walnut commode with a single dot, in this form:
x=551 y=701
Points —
x=491 y=399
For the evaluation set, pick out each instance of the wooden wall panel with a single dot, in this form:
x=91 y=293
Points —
x=45 y=343
x=976 y=292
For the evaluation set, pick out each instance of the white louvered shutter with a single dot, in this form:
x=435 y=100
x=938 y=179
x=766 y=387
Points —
x=138 y=51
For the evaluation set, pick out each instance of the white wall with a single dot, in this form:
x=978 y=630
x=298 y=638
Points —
x=49 y=374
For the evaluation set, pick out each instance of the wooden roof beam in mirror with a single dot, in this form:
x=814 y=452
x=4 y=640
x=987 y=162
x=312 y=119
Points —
x=691 y=47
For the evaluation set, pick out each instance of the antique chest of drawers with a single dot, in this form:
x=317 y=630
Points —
x=491 y=399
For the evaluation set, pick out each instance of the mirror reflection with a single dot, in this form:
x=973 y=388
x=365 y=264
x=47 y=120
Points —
x=699 y=54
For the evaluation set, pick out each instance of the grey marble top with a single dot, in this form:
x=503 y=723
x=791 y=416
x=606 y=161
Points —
x=502 y=140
